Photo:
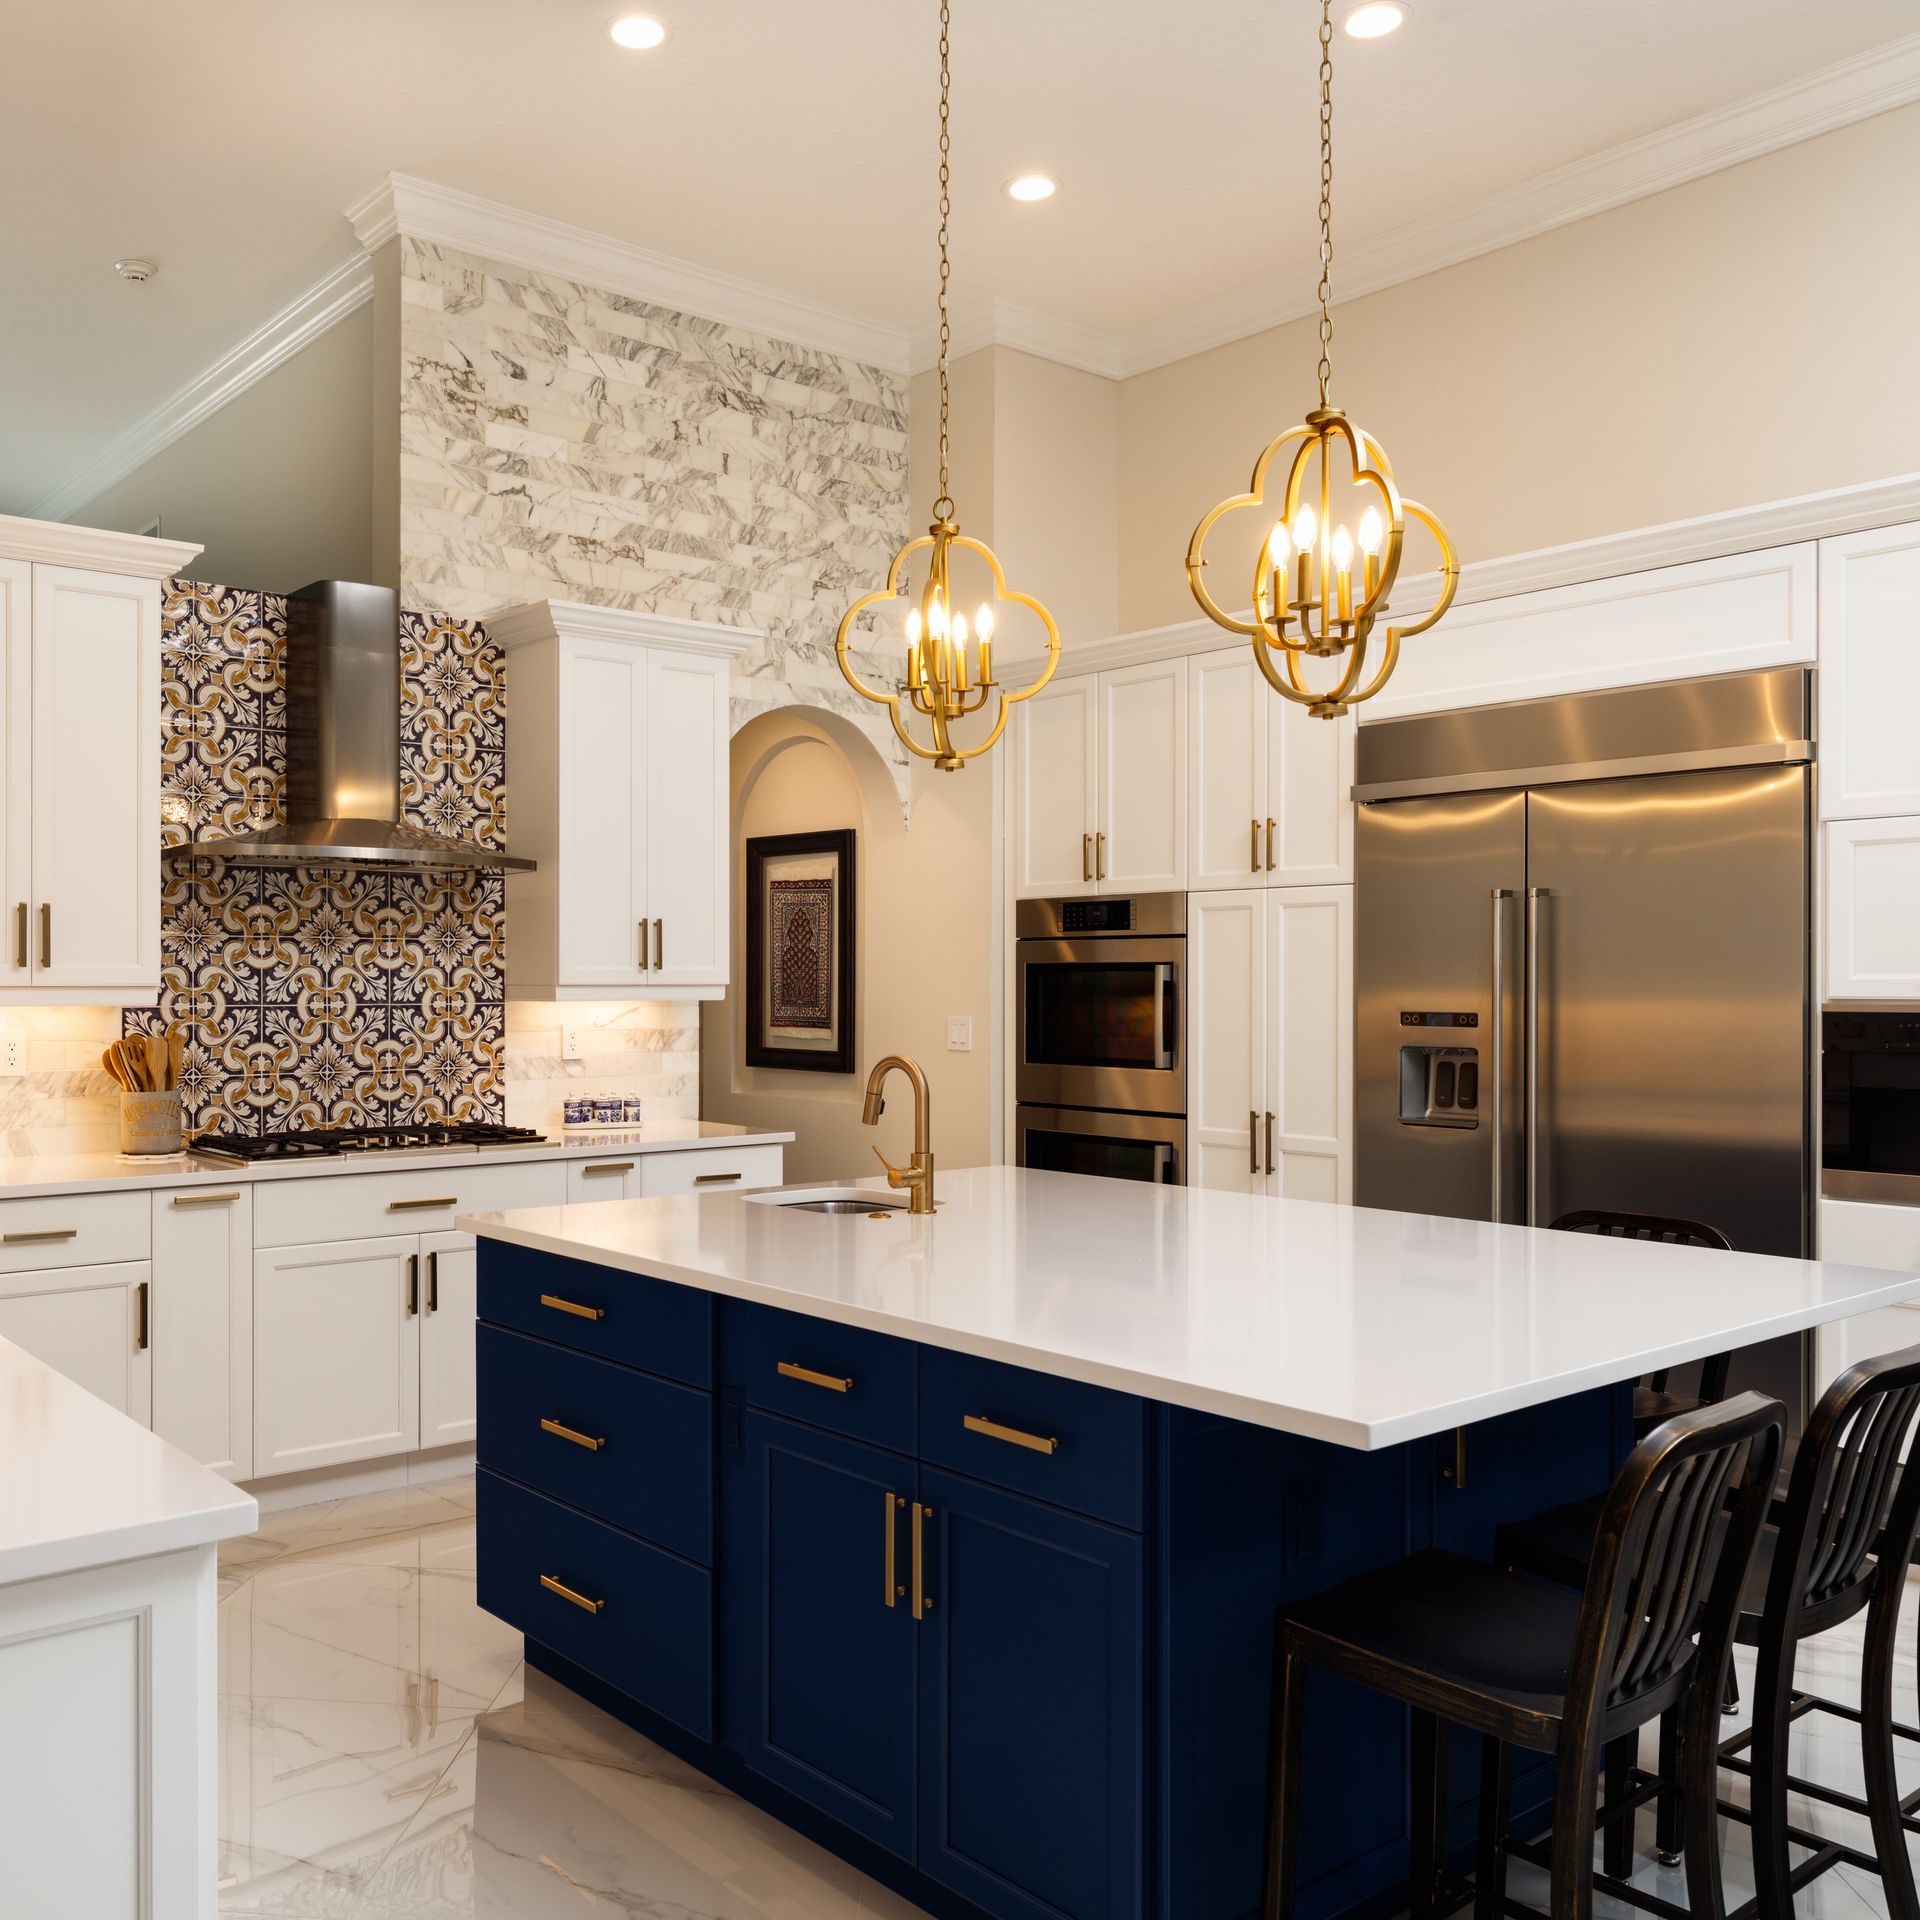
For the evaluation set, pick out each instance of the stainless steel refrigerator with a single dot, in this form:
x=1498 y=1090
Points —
x=1583 y=974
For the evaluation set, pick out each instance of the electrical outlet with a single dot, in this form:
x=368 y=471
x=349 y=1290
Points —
x=13 y=1056
x=959 y=1033
x=570 y=1047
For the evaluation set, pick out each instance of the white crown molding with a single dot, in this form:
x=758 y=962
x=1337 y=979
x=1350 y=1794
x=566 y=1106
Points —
x=1006 y=323
x=296 y=325
x=537 y=620
x=53 y=543
x=446 y=217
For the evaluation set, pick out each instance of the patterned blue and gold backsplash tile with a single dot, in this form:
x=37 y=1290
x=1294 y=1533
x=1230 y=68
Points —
x=328 y=996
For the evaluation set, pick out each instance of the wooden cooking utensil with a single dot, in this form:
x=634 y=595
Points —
x=176 y=1052
x=157 y=1063
x=111 y=1061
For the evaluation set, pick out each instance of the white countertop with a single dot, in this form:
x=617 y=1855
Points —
x=1347 y=1324
x=25 y=1176
x=82 y=1485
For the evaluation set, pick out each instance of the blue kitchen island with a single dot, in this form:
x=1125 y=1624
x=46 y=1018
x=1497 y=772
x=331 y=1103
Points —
x=955 y=1541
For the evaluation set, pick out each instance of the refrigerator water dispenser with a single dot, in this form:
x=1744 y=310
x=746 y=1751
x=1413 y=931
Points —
x=1439 y=1086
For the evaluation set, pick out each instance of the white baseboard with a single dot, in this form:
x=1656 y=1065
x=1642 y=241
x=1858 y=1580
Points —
x=369 y=1476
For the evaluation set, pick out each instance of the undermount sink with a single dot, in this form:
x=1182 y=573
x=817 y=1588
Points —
x=831 y=1200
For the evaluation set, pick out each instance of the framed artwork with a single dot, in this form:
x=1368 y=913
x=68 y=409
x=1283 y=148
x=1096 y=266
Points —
x=800 y=951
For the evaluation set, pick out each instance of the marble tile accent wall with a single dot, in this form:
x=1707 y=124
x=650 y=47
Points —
x=560 y=440
x=651 y=1049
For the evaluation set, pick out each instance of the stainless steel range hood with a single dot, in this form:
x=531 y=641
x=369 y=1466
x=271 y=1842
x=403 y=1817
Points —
x=343 y=748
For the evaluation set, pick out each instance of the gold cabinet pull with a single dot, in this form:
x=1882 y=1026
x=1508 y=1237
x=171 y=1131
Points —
x=714 y=1179
x=1269 y=843
x=1086 y=856
x=1253 y=1141
x=1457 y=1473
x=578 y=1438
x=142 y=1316
x=1033 y=1442
x=890 y=1589
x=44 y=1237
x=643 y=944
x=1099 y=856
x=413 y=1284
x=834 y=1382
x=658 y=960
x=46 y=933
x=224 y=1198
x=20 y=936
x=1271 y=1168
x=554 y=1301
x=1254 y=856
x=600 y=1169
x=423 y=1206
x=433 y=1283
x=565 y=1592
x=922 y=1600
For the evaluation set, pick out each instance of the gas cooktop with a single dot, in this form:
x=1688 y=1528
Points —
x=320 y=1143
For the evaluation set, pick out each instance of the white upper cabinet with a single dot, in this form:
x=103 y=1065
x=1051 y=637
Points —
x=1056 y=769
x=618 y=780
x=80 y=724
x=1873 y=909
x=1870 y=674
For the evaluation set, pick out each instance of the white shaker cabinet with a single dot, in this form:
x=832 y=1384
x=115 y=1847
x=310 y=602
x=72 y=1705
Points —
x=1872 y=909
x=617 y=763
x=202 y=1325
x=1869 y=685
x=449 y=1307
x=1056 y=775
x=90 y=1323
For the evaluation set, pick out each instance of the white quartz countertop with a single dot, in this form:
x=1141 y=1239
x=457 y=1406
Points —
x=25 y=1176
x=1349 y=1324
x=82 y=1485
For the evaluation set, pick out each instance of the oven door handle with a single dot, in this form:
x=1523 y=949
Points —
x=1162 y=992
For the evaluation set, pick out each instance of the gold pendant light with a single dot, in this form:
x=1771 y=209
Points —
x=943 y=682
x=1308 y=597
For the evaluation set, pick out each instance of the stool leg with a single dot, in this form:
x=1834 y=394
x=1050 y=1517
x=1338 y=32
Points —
x=1616 y=1844
x=1876 y=1748
x=1429 y=1809
x=1285 y=1726
x=1496 y=1801
x=1668 y=1840
x=1570 y=1872
x=1767 y=1782
x=1699 y=1783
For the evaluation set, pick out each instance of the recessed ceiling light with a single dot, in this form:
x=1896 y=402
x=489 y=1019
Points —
x=1374 y=19
x=638 y=31
x=1032 y=186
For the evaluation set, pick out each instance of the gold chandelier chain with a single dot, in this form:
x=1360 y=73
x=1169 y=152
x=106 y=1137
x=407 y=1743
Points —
x=1326 y=197
x=943 y=507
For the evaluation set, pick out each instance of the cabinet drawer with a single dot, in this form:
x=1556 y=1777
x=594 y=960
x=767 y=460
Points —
x=647 y=1623
x=1078 y=1446
x=710 y=1170
x=74 y=1230
x=618 y=1316
x=842 y=1378
x=650 y=1465
x=362 y=1206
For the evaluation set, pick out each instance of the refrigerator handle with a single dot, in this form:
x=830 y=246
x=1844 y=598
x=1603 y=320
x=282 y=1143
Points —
x=1496 y=1052
x=1534 y=896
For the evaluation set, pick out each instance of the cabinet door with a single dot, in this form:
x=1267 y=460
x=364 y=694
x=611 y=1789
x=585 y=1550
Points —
x=1869 y=681
x=1873 y=909
x=1228 y=721
x=1310 y=1027
x=1867 y=1233
x=336 y=1354
x=16 y=783
x=827 y=1671
x=1309 y=796
x=1032 y=1706
x=90 y=1324
x=1056 y=764
x=96 y=780
x=1143 y=779
x=448 y=1298
x=1227 y=1017
x=203 y=1326
x=687 y=799
x=602 y=863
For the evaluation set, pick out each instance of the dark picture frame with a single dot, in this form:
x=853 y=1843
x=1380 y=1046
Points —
x=800 y=892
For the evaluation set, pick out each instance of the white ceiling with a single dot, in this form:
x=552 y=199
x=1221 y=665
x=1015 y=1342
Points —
x=786 y=143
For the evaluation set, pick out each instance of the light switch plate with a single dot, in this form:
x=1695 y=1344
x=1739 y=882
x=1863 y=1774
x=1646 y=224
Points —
x=959 y=1033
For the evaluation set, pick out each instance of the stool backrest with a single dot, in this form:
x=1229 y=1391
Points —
x=1642 y=1226
x=1663 y=1565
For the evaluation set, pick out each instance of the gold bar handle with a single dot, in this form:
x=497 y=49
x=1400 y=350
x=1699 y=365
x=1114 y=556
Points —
x=659 y=960
x=554 y=1301
x=1086 y=856
x=1253 y=1140
x=1271 y=1168
x=423 y=1206
x=1269 y=844
x=834 y=1382
x=413 y=1285
x=643 y=945
x=1033 y=1442
x=45 y=1237
x=890 y=1589
x=1099 y=856
x=922 y=1602
x=142 y=1316
x=578 y=1438
x=224 y=1198
x=1457 y=1473
x=433 y=1283
x=46 y=933
x=20 y=936
x=565 y=1592
x=1254 y=856
x=714 y=1179
x=601 y=1169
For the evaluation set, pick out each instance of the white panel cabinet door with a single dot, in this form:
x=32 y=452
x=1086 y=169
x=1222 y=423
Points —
x=1310 y=1061
x=1227 y=727
x=202 y=1325
x=615 y=1178
x=451 y=1299
x=89 y=1323
x=1309 y=789
x=1140 y=836
x=336 y=1353
x=16 y=783
x=1055 y=774
x=1873 y=909
x=1867 y=1233
x=95 y=902
x=603 y=819
x=1870 y=673
x=1227 y=1011
x=687 y=874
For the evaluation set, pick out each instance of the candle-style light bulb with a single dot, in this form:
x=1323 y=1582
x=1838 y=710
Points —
x=983 y=626
x=1342 y=547
x=937 y=617
x=1372 y=531
x=1343 y=573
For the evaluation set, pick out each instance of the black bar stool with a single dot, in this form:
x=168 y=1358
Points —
x=1528 y=1665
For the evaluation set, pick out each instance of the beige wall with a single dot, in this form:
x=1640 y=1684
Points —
x=277 y=484
x=1745 y=337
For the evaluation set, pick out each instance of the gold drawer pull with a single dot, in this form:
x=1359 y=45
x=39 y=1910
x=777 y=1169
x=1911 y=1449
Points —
x=569 y=1433
x=567 y=1306
x=793 y=1371
x=223 y=1199
x=890 y=1589
x=1033 y=1442
x=41 y=1239
x=565 y=1592
x=600 y=1168
x=422 y=1206
x=715 y=1179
